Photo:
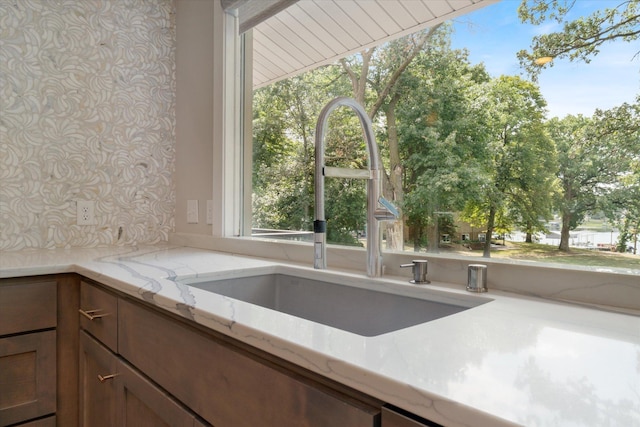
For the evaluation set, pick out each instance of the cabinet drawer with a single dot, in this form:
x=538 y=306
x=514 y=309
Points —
x=27 y=376
x=27 y=306
x=99 y=314
x=224 y=386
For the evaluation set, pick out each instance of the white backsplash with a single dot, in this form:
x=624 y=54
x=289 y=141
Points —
x=87 y=112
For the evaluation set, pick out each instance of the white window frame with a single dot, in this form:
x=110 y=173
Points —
x=230 y=169
x=231 y=187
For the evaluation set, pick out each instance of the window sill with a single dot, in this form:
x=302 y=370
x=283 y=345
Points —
x=614 y=288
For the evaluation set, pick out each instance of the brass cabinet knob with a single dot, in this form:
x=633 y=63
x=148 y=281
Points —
x=92 y=314
x=106 y=377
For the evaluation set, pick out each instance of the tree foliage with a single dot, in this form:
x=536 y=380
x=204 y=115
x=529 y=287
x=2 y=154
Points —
x=579 y=39
x=596 y=157
x=377 y=77
x=441 y=143
x=452 y=139
x=284 y=121
x=578 y=173
x=519 y=158
x=618 y=131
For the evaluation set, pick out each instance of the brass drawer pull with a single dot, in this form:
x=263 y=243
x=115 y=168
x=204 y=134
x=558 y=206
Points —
x=92 y=314
x=106 y=377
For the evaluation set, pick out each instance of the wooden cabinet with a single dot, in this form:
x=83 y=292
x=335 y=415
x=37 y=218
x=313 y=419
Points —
x=99 y=314
x=97 y=388
x=225 y=386
x=27 y=376
x=134 y=365
x=39 y=350
x=27 y=350
x=142 y=404
x=112 y=392
x=27 y=306
x=158 y=358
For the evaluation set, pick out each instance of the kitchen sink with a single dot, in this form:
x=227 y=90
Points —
x=358 y=310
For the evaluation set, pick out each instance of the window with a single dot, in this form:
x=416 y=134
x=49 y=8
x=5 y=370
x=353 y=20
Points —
x=443 y=147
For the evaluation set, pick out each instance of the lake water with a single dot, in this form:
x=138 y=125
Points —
x=585 y=239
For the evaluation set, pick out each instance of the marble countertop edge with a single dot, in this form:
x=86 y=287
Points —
x=492 y=365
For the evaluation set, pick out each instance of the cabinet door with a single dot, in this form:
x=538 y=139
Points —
x=224 y=386
x=27 y=376
x=98 y=371
x=142 y=404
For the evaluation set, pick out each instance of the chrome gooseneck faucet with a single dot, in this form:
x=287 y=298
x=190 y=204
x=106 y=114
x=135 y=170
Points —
x=375 y=213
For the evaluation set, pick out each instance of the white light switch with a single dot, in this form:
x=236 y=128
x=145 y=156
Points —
x=192 y=211
x=209 y=212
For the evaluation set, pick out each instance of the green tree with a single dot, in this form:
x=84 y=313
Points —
x=618 y=131
x=585 y=171
x=626 y=211
x=596 y=156
x=277 y=159
x=580 y=39
x=376 y=76
x=512 y=110
x=284 y=122
x=531 y=200
x=440 y=141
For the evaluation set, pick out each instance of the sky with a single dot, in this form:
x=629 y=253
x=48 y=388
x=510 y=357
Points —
x=494 y=34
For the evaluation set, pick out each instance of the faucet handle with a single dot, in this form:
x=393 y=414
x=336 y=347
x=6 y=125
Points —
x=419 y=267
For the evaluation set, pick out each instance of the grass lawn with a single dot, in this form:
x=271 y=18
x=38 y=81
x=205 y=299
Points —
x=595 y=225
x=549 y=253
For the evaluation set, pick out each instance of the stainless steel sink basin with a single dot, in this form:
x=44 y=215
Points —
x=361 y=311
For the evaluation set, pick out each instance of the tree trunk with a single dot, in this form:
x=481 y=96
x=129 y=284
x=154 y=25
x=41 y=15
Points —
x=394 y=190
x=566 y=218
x=529 y=232
x=564 y=232
x=433 y=236
x=416 y=233
x=490 y=224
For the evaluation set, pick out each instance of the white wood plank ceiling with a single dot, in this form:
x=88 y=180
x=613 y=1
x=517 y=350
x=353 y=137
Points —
x=311 y=33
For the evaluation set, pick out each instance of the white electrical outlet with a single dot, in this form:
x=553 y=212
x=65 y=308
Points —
x=209 y=212
x=192 y=211
x=85 y=213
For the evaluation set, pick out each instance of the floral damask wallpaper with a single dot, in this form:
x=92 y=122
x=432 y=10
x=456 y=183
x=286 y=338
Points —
x=87 y=112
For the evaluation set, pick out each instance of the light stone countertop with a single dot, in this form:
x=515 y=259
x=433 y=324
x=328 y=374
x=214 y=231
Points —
x=511 y=361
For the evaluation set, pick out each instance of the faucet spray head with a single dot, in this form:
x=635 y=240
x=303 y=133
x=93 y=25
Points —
x=388 y=212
